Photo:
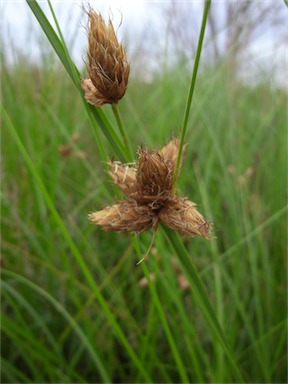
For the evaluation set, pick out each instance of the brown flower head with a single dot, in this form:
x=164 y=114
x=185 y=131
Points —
x=148 y=185
x=107 y=64
x=154 y=177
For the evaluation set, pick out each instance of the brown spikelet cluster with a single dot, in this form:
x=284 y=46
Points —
x=107 y=64
x=148 y=184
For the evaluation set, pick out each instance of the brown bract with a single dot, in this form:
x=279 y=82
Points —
x=148 y=185
x=107 y=64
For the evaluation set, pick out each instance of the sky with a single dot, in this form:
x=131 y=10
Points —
x=143 y=26
x=18 y=24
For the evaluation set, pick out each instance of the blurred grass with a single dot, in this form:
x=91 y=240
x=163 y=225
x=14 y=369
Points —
x=53 y=328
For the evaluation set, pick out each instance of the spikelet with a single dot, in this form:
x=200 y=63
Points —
x=170 y=153
x=107 y=64
x=154 y=176
x=126 y=216
x=181 y=214
x=124 y=176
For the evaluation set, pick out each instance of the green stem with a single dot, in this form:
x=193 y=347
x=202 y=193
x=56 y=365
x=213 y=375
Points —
x=116 y=112
x=73 y=246
x=201 y=297
x=94 y=354
x=192 y=86
x=161 y=313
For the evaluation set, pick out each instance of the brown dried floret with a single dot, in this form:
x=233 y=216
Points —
x=181 y=214
x=170 y=152
x=107 y=64
x=154 y=175
x=124 y=176
x=126 y=216
x=92 y=95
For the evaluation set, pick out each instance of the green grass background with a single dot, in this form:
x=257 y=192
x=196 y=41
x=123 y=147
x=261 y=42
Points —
x=56 y=327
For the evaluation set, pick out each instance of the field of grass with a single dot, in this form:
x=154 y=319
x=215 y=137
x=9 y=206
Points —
x=75 y=307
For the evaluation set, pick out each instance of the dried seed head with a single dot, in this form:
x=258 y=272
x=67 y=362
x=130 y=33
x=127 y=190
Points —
x=125 y=216
x=107 y=65
x=180 y=214
x=149 y=186
x=154 y=176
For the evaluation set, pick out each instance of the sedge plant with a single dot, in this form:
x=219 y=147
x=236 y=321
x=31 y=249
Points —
x=204 y=351
x=95 y=95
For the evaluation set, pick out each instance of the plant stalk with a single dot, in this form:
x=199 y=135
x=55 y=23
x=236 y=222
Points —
x=117 y=115
x=192 y=86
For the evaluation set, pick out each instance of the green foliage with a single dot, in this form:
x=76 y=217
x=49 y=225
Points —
x=75 y=307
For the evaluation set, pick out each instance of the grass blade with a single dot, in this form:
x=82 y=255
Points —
x=255 y=232
x=93 y=354
x=201 y=295
x=170 y=338
x=76 y=253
